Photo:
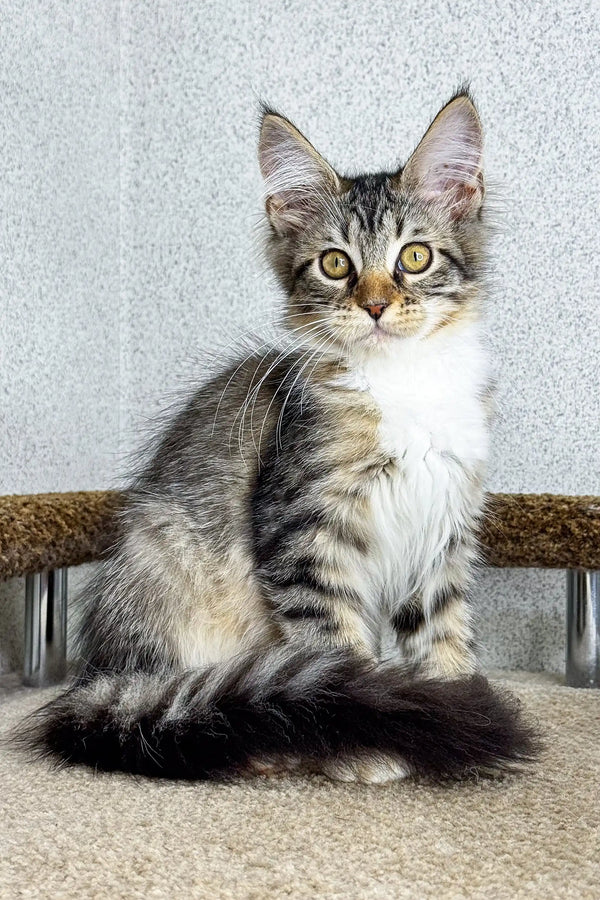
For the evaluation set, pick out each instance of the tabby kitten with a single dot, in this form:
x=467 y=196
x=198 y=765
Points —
x=289 y=589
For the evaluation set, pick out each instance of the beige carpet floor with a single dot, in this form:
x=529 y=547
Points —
x=76 y=834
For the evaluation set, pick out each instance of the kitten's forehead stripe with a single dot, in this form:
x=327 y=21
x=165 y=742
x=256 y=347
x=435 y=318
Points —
x=369 y=199
x=345 y=230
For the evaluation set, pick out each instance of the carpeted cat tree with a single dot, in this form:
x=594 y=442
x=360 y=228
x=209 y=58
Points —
x=41 y=535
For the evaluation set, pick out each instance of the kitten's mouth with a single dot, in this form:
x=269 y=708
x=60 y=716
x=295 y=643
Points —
x=380 y=335
x=379 y=329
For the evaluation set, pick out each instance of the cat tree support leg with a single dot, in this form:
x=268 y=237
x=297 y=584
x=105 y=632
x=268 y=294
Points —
x=583 y=628
x=45 y=628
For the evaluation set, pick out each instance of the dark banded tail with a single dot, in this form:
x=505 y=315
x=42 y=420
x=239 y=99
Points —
x=227 y=720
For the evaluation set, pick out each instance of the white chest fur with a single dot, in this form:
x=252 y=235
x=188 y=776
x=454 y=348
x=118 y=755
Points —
x=433 y=428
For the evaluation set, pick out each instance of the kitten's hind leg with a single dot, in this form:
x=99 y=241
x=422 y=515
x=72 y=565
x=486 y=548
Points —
x=378 y=769
x=366 y=770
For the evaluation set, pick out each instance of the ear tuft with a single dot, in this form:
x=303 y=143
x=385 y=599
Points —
x=446 y=169
x=297 y=178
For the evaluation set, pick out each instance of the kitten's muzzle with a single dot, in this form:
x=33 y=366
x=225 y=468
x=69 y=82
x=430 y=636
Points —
x=375 y=291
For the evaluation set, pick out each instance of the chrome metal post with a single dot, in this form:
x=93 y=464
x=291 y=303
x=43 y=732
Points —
x=583 y=628
x=45 y=628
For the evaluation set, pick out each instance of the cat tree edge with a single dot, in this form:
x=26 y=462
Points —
x=51 y=531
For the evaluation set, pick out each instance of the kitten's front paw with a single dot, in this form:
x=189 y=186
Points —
x=366 y=770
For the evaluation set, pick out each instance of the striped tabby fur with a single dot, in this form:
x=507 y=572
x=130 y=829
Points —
x=290 y=587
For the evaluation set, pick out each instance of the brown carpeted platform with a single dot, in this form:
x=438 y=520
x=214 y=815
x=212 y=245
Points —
x=40 y=531
x=546 y=531
x=539 y=530
x=73 y=834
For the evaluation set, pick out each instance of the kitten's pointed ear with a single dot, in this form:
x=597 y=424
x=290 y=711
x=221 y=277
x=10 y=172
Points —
x=297 y=179
x=446 y=167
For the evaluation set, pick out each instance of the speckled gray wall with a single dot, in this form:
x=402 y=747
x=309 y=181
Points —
x=59 y=244
x=132 y=196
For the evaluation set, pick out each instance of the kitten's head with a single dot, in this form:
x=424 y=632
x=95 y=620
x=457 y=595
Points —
x=373 y=259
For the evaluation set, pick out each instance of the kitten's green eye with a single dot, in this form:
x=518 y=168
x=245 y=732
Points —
x=414 y=258
x=335 y=264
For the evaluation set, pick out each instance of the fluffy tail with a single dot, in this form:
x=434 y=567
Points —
x=317 y=708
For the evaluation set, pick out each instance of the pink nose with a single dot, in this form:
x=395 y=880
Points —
x=376 y=310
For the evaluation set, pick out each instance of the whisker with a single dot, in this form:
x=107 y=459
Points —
x=254 y=389
x=280 y=418
x=326 y=343
x=313 y=334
